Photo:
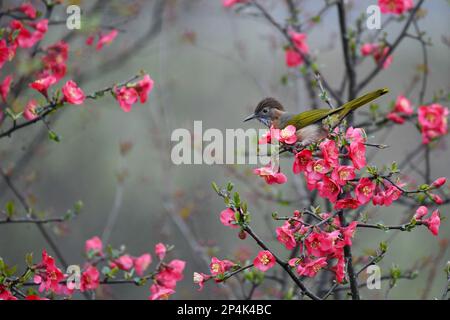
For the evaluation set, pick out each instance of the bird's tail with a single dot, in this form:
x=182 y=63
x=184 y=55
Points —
x=359 y=102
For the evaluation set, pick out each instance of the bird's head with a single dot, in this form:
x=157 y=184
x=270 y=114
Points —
x=266 y=111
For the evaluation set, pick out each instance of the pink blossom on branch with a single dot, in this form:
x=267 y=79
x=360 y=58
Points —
x=228 y=218
x=264 y=261
x=5 y=87
x=270 y=175
x=72 y=93
x=29 y=113
x=94 y=246
x=433 y=121
x=160 y=250
x=396 y=7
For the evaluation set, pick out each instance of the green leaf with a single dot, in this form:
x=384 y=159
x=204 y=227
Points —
x=215 y=187
x=29 y=259
x=383 y=246
x=53 y=136
x=10 y=208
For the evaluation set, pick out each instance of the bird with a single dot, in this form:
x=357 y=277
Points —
x=310 y=125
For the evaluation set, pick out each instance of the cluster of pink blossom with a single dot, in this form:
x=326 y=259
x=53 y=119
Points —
x=379 y=53
x=396 y=7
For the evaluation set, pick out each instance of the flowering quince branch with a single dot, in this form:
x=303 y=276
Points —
x=39 y=113
x=52 y=281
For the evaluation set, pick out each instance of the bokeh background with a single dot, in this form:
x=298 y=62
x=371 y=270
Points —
x=214 y=65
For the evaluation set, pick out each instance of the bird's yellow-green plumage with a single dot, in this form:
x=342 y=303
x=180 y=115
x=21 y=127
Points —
x=307 y=118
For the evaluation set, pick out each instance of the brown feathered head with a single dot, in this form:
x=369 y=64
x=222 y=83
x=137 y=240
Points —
x=264 y=110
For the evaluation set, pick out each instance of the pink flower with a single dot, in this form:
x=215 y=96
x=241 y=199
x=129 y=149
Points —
x=421 y=212
x=90 y=279
x=160 y=250
x=293 y=58
x=169 y=274
x=47 y=275
x=228 y=218
x=286 y=135
x=439 y=182
x=317 y=169
x=94 y=246
x=160 y=292
x=330 y=152
x=5 y=294
x=265 y=138
x=310 y=268
x=144 y=87
x=106 y=39
x=230 y=3
x=299 y=40
x=41 y=85
x=364 y=190
x=348 y=232
x=357 y=153
x=7 y=53
x=347 y=203
x=54 y=60
x=126 y=97
x=355 y=135
x=367 y=49
x=90 y=40
x=26 y=38
x=339 y=269
x=433 y=222
x=219 y=267
x=402 y=108
x=270 y=175
x=29 y=112
x=124 y=262
x=396 y=7
x=28 y=9
x=5 y=87
x=380 y=54
x=329 y=189
x=141 y=263
x=301 y=161
x=72 y=93
x=34 y=297
x=264 y=261
x=200 y=278
x=286 y=236
x=433 y=121
x=343 y=174
x=437 y=199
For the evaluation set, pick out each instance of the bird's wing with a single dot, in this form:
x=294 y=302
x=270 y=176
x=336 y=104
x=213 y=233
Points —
x=309 y=117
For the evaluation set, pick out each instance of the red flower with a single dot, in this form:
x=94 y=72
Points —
x=160 y=292
x=219 y=267
x=169 y=274
x=357 y=153
x=34 y=297
x=41 y=85
x=286 y=236
x=144 y=87
x=330 y=152
x=347 y=203
x=421 y=212
x=293 y=58
x=5 y=87
x=230 y=3
x=29 y=112
x=317 y=169
x=301 y=161
x=329 y=189
x=270 y=175
x=396 y=7
x=200 y=278
x=364 y=190
x=433 y=222
x=402 y=108
x=94 y=246
x=141 y=263
x=5 y=294
x=47 y=275
x=343 y=174
x=72 y=93
x=28 y=9
x=309 y=268
x=106 y=39
x=433 y=121
x=25 y=38
x=124 y=262
x=90 y=279
x=126 y=97
x=160 y=250
x=439 y=182
x=348 y=232
x=54 y=60
x=7 y=53
x=339 y=269
x=355 y=135
x=264 y=260
x=286 y=135
x=228 y=218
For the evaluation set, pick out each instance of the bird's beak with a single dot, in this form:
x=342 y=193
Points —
x=250 y=117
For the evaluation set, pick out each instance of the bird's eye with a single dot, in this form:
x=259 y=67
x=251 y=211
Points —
x=265 y=110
